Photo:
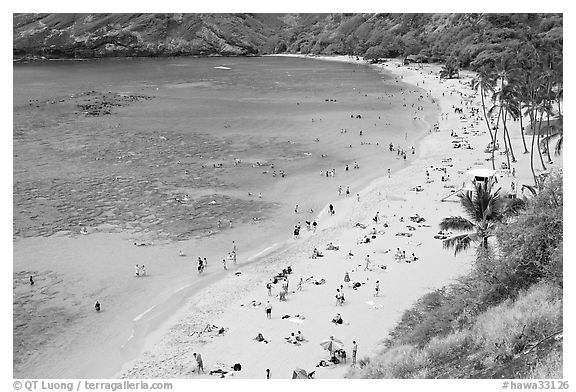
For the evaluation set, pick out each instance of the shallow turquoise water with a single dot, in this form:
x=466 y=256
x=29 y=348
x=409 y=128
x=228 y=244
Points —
x=129 y=167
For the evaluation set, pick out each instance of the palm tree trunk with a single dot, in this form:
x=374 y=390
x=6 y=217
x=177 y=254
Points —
x=485 y=116
x=533 y=128
x=538 y=142
x=522 y=129
x=507 y=133
x=505 y=142
x=495 y=140
x=548 y=137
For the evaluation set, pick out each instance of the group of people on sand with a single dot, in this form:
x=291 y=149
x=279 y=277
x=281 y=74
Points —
x=139 y=270
x=202 y=263
x=295 y=338
x=400 y=256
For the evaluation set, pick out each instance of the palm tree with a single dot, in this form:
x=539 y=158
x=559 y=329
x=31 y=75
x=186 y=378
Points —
x=484 y=209
x=484 y=81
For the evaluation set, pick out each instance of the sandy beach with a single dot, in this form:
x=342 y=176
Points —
x=231 y=302
x=236 y=303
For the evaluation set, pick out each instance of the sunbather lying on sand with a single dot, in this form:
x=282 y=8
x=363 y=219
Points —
x=332 y=247
x=337 y=319
x=260 y=338
x=292 y=339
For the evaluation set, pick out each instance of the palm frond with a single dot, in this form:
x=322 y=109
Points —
x=531 y=189
x=559 y=145
x=456 y=223
x=458 y=242
x=514 y=206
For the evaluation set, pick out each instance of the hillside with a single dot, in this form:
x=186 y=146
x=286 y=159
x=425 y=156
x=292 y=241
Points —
x=433 y=37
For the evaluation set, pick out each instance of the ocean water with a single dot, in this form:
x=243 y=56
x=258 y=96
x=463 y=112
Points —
x=149 y=145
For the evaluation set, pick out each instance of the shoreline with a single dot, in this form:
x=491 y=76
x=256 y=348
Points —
x=153 y=321
x=131 y=369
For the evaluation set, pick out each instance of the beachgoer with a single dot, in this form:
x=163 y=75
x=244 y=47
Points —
x=269 y=287
x=354 y=350
x=299 y=288
x=358 y=197
x=337 y=319
x=314 y=225
x=377 y=288
x=205 y=263
x=31 y=281
x=180 y=253
x=340 y=190
x=367 y=259
x=199 y=362
x=268 y=376
x=224 y=264
x=299 y=337
x=388 y=173
x=137 y=270
x=97 y=306
x=346 y=277
x=268 y=309
x=296 y=209
x=347 y=191
x=142 y=270
x=331 y=209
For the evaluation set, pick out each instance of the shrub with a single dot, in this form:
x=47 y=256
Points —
x=548 y=367
x=511 y=325
x=449 y=348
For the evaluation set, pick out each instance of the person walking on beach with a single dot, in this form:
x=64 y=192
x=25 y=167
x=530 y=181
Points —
x=268 y=376
x=224 y=264
x=269 y=287
x=199 y=362
x=137 y=270
x=331 y=209
x=31 y=281
x=268 y=309
x=358 y=197
x=296 y=209
x=204 y=263
x=97 y=306
x=299 y=288
x=314 y=225
x=367 y=259
x=340 y=190
x=142 y=270
x=388 y=173
x=377 y=288
x=347 y=191
x=354 y=350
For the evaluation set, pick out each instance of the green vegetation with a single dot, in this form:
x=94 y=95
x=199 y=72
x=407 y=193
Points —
x=504 y=319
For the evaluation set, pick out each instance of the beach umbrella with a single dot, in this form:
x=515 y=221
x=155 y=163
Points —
x=332 y=345
x=300 y=373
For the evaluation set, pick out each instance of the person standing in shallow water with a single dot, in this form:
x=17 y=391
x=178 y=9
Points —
x=268 y=376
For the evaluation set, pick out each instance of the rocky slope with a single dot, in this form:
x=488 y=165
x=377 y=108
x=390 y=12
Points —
x=433 y=37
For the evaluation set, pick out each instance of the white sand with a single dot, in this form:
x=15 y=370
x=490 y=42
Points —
x=368 y=319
